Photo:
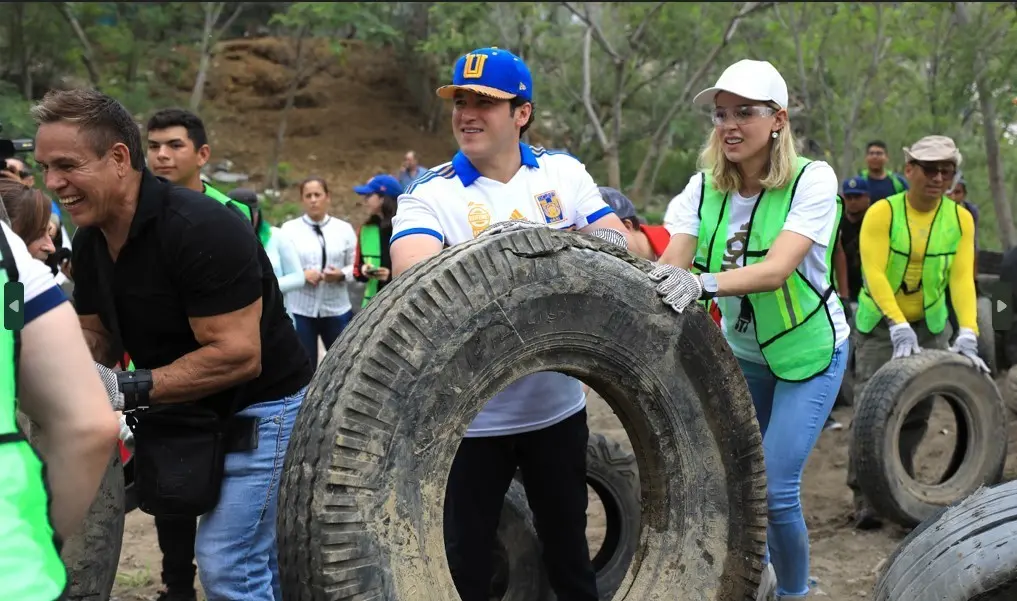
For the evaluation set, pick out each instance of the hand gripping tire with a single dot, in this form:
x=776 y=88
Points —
x=519 y=565
x=364 y=477
x=887 y=399
x=965 y=552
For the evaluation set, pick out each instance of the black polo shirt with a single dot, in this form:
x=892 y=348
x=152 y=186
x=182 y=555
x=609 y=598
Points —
x=187 y=255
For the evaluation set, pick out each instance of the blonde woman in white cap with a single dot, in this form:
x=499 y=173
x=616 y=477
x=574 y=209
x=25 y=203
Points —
x=755 y=230
x=913 y=245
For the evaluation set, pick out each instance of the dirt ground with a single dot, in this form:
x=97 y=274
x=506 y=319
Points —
x=844 y=561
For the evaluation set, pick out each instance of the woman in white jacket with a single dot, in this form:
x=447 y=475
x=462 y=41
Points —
x=279 y=248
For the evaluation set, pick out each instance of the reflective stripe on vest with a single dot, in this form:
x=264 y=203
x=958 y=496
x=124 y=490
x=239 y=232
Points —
x=941 y=246
x=370 y=253
x=29 y=550
x=793 y=326
x=229 y=202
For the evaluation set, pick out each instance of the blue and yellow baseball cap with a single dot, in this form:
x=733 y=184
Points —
x=855 y=186
x=490 y=72
x=383 y=184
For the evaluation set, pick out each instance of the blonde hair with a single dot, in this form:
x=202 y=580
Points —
x=780 y=169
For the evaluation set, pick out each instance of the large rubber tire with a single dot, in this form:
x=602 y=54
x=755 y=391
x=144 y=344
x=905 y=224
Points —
x=1010 y=389
x=613 y=474
x=986 y=335
x=365 y=472
x=879 y=412
x=963 y=553
x=93 y=554
x=519 y=575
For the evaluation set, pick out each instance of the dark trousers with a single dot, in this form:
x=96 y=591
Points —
x=176 y=541
x=553 y=466
x=309 y=329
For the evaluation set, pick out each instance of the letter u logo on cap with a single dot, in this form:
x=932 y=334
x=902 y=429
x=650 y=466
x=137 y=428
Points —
x=473 y=68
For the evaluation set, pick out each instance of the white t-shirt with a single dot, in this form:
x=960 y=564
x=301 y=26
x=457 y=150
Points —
x=813 y=214
x=454 y=203
x=41 y=290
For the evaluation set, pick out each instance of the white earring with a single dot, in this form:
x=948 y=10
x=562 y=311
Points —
x=773 y=135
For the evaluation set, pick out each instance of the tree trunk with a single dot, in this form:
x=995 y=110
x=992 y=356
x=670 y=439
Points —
x=997 y=179
x=291 y=94
x=997 y=185
x=198 y=92
x=657 y=140
x=87 y=55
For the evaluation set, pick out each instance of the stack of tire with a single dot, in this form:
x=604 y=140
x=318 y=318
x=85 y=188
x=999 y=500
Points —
x=880 y=409
x=364 y=476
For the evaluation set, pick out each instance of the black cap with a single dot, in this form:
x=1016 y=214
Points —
x=246 y=196
x=620 y=203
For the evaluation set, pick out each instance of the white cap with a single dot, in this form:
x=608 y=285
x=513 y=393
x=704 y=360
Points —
x=755 y=80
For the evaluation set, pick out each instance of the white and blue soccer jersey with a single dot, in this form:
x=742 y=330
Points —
x=454 y=203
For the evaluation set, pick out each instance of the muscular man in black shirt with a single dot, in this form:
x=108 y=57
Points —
x=175 y=279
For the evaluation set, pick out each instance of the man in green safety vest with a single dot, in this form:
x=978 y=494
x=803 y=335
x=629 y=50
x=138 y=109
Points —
x=45 y=493
x=372 y=264
x=913 y=245
x=882 y=183
x=178 y=149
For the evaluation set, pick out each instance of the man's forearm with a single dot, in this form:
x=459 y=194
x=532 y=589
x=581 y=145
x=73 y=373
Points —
x=201 y=373
x=100 y=347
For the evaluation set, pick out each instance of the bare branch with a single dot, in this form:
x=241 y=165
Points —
x=637 y=35
x=587 y=98
x=87 y=55
x=592 y=26
x=228 y=23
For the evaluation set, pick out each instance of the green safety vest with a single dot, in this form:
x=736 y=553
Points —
x=793 y=327
x=941 y=246
x=229 y=202
x=894 y=179
x=370 y=253
x=29 y=549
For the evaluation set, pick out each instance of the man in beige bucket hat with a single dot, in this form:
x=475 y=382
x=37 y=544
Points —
x=913 y=245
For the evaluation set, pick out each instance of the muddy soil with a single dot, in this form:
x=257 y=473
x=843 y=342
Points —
x=844 y=561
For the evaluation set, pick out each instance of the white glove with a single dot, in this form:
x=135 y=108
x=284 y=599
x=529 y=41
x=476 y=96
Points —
x=510 y=226
x=679 y=287
x=613 y=236
x=966 y=343
x=905 y=341
x=126 y=436
x=109 y=379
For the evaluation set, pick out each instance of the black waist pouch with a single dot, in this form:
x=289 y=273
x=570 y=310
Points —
x=179 y=459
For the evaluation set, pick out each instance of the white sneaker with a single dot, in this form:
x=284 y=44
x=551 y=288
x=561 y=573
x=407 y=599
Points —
x=767 y=584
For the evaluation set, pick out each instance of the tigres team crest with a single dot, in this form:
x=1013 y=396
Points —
x=517 y=215
x=550 y=205
x=479 y=218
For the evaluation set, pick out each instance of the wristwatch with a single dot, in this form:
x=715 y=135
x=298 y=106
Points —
x=135 y=386
x=708 y=282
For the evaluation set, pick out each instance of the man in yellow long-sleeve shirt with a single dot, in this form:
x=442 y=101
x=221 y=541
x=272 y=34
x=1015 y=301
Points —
x=913 y=245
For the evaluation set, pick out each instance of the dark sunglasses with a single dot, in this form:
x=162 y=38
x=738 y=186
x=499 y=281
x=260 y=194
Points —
x=931 y=169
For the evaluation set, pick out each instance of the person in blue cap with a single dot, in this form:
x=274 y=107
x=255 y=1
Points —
x=372 y=263
x=855 y=192
x=538 y=423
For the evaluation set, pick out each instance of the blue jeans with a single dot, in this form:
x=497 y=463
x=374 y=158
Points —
x=236 y=544
x=791 y=417
x=328 y=328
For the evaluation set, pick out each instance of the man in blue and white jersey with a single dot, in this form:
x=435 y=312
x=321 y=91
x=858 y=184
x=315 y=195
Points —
x=538 y=423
